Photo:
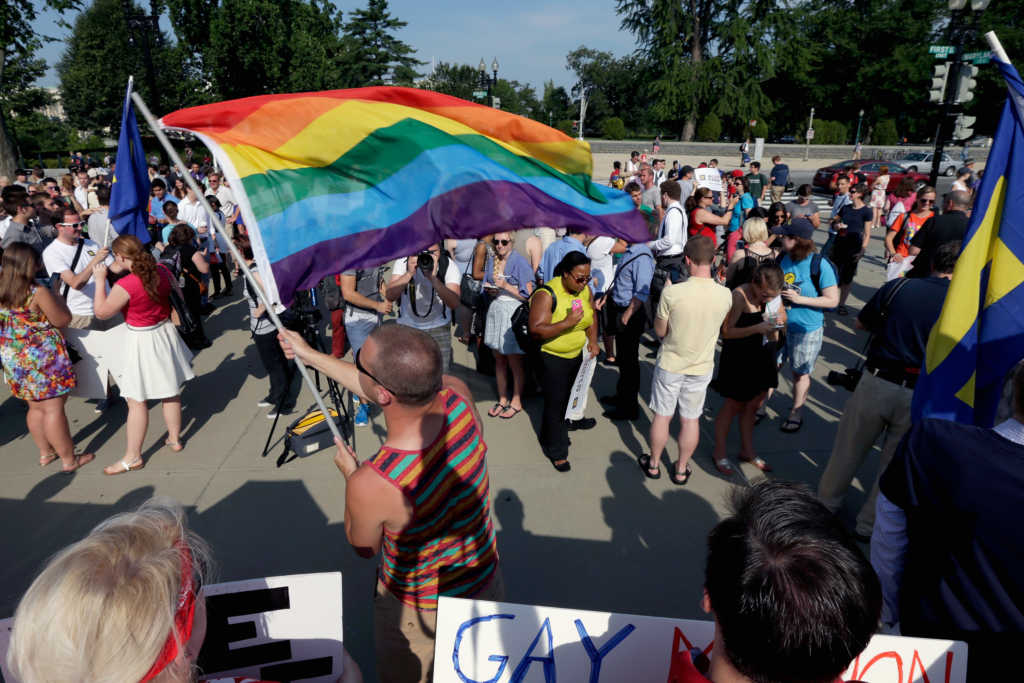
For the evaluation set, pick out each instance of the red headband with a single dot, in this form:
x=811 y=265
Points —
x=184 y=612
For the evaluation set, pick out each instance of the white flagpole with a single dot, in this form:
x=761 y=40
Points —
x=997 y=47
x=201 y=196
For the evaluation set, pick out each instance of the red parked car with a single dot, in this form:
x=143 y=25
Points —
x=870 y=168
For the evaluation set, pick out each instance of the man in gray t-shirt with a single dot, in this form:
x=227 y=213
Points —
x=361 y=290
x=803 y=207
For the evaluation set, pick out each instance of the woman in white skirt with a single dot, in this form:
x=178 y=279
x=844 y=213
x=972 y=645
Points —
x=508 y=278
x=155 y=363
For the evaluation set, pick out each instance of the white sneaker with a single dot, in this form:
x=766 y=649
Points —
x=264 y=404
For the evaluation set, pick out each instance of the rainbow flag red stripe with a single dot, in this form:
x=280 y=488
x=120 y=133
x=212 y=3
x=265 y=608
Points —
x=345 y=179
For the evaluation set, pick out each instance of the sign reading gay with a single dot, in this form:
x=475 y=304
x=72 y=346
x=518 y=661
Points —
x=498 y=642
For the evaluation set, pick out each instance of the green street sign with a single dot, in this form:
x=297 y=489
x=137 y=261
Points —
x=941 y=51
x=978 y=57
x=479 y=93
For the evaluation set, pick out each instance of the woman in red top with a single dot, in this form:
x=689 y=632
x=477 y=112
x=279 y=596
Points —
x=155 y=362
x=702 y=219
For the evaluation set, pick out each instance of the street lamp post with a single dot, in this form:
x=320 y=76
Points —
x=808 y=135
x=860 y=117
x=489 y=81
x=583 y=108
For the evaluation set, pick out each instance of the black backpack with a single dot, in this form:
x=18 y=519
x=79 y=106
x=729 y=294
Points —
x=170 y=258
x=521 y=322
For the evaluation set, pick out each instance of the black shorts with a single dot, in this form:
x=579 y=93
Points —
x=846 y=255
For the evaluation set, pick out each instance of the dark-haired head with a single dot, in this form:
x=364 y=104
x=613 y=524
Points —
x=944 y=260
x=181 y=234
x=793 y=597
x=574 y=269
x=571 y=261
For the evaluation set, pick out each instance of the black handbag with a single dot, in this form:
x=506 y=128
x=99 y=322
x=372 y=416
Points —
x=521 y=322
x=188 y=327
x=470 y=291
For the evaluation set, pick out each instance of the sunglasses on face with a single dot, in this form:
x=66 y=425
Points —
x=581 y=280
x=926 y=201
x=503 y=243
x=362 y=369
x=76 y=226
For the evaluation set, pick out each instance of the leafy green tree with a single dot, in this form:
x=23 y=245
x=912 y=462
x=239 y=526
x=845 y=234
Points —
x=885 y=133
x=19 y=67
x=613 y=128
x=710 y=129
x=458 y=80
x=615 y=86
x=555 y=104
x=371 y=51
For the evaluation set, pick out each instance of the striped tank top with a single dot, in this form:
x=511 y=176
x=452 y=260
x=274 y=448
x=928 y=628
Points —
x=448 y=547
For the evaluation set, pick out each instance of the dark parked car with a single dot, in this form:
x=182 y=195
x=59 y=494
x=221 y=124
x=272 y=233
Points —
x=870 y=168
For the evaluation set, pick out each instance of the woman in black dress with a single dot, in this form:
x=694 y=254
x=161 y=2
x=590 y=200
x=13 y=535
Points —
x=746 y=368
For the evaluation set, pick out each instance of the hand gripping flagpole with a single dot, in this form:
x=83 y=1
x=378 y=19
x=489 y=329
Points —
x=212 y=216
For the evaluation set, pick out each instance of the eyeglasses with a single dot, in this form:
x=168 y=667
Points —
x=926 y=201
x=581 y=280
x=362 y=369
x=503 y=243
x=76 y=226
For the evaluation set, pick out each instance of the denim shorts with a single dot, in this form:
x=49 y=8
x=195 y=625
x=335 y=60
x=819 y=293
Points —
x=803 y=348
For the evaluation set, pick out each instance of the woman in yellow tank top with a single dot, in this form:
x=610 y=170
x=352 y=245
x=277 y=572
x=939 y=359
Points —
x=564 y=330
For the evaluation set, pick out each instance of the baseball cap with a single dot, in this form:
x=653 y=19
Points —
x=799 y=227
x=737 y=173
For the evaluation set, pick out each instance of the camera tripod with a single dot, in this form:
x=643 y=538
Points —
x=305 y=322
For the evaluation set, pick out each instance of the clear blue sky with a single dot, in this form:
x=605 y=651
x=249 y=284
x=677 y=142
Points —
x=530 y=38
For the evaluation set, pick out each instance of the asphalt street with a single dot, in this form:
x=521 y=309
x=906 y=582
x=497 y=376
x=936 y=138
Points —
x=601 y=537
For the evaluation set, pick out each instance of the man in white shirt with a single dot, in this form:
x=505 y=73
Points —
x=427 y=297
x=191 y=211
x=224 y=195
x=668 y=248
x=82 y=189
x=97 y=341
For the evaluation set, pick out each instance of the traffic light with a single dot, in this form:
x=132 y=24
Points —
x=965 y=83
x=939 y=77
x=964 y=130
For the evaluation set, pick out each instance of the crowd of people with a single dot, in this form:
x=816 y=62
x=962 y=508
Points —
x=727 y=267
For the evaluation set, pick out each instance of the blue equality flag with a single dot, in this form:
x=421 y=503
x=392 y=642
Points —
x=979 y=336
x=129 y=194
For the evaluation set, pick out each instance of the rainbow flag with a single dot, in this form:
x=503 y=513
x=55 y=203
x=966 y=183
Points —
x=331 y=181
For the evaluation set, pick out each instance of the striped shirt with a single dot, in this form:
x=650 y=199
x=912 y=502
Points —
x=448 y=547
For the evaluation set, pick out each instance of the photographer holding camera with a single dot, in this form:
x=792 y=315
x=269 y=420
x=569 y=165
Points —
x=427 y=286
x=899 y=317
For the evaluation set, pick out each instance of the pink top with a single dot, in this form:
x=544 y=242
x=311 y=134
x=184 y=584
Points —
x=141 y=311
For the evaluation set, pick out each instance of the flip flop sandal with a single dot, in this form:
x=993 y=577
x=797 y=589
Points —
x=47 y=459
x=121 y=467
x=725 y=467
x=681 y=479
x=515 y=411
x=176 y=447
x=757 y=462
x=792 y=425
x=497 y=409
x=645 y=465
x=81 y=460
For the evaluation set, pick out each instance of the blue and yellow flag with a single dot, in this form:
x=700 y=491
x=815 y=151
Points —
x=979 y=336
x=129 y=195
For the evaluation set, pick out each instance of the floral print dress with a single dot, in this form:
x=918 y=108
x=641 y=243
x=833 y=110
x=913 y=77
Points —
x=34 y=355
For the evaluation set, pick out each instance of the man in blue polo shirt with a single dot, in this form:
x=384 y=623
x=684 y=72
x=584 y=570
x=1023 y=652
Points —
x=780 y=177
x=573 y=240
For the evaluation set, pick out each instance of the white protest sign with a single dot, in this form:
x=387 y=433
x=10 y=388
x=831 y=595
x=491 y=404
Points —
x=280 y=628
x=580 y=388
x=498 y=642
x=709 y=178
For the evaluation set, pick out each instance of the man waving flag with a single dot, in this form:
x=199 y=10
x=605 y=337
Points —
x=979 y=337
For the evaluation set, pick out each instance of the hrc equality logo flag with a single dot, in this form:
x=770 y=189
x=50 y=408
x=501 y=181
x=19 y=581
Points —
x=979 y=336
x=331 y=181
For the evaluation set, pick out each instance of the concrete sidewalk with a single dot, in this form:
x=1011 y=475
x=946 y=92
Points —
x=601 y=537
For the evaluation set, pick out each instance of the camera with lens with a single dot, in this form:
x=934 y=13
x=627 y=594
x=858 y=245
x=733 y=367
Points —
x=425 y=261
x=303 y=315
x=846 y=379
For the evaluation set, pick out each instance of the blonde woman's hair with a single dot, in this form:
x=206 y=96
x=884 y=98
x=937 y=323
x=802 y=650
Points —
x=755 y=230
x=102 y=608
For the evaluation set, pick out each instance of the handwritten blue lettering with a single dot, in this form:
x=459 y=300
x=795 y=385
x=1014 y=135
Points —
x=502 y=660
x=529 y=659
x=597 y=655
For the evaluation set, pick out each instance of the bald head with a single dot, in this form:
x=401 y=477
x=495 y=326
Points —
x=959 y=199
x=408 y=363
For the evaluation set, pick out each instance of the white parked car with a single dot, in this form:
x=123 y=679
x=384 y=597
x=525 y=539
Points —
x=921 y=162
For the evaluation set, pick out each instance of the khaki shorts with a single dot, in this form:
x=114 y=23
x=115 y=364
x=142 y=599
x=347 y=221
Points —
x=404 y=635
x=670 y=390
